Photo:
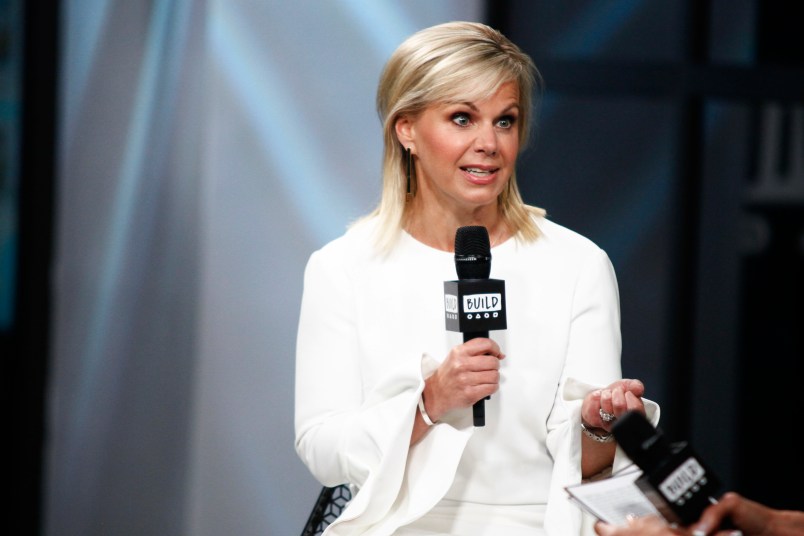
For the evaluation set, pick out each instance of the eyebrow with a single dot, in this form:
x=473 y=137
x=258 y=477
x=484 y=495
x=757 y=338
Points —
x=511 y=107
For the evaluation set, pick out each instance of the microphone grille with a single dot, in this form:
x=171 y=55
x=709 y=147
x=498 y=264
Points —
x=645 y=445
x=472 y=252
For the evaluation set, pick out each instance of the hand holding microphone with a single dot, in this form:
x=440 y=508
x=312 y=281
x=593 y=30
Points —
x=469 y=373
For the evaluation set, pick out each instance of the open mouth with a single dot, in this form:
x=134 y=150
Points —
x=479 y=173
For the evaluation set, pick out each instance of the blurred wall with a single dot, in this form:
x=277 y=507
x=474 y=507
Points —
x=207 y=148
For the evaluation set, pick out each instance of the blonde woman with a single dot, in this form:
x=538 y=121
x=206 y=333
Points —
x=384 y=392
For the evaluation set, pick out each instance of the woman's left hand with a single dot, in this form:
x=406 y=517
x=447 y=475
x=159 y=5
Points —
x=612 y=402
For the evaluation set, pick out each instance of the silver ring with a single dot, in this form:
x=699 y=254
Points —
x=606 y=416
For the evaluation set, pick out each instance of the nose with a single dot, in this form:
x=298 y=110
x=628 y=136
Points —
x=486 y=141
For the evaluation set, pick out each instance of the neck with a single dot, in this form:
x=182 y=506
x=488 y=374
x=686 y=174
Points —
x=439 y=232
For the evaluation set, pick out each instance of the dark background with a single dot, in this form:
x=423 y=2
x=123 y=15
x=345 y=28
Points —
x=672 y=134
x=667 y=134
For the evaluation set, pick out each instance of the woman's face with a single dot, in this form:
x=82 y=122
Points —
x=465 y=152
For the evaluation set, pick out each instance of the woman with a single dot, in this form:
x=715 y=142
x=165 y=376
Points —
x=384 y=392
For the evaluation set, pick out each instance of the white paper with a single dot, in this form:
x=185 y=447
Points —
x=615 y=498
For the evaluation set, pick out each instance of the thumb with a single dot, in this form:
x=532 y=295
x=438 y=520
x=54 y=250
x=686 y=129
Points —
x=604 y=529
x=634 y=386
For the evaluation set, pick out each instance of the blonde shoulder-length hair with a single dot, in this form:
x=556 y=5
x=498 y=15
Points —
x=451 y=62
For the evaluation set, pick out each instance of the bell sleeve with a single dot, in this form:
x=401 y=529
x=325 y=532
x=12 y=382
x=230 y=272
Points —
x=344 y=436
x=592 y=362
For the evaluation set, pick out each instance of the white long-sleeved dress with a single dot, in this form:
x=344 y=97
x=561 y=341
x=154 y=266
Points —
x=372 y=329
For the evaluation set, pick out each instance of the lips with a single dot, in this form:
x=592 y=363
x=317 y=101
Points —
x=479 y=172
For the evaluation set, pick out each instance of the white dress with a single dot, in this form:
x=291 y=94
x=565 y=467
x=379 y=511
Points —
x=372 y=328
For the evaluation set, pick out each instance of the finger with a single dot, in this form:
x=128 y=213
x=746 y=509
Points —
x=634 y=403
x=482 y=345
x=480 y=363
x=714 y=514
x=618 y=402
x=488 y=377
x=607 y=412
x=604 y=529
x=591 y=406
x=605 y=401
x=634 y=386
x=479 y=392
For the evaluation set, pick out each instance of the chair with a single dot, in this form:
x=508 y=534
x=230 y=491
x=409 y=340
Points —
x=328 y=506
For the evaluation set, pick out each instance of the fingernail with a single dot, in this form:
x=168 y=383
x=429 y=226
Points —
x=736 y=533
x=698 y=533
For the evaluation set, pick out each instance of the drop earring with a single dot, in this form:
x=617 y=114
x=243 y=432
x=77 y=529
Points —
x=409 y=164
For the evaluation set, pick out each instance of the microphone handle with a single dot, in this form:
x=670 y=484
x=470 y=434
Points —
x=479 y=407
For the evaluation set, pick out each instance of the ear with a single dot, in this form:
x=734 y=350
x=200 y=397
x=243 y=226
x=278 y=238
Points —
x=405 y=132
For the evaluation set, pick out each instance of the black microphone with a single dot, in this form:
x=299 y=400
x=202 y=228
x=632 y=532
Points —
x=673 y=478
x=474 y=304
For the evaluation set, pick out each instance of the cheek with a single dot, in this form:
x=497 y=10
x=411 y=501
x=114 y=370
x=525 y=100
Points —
x=511 y=145
x=443 y=148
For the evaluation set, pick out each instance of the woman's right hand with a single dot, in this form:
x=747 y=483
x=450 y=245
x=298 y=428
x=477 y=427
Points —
x=752 y=518
x=470 y=372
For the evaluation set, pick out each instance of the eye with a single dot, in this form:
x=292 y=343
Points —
x=506 y=122
x=461 y=119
